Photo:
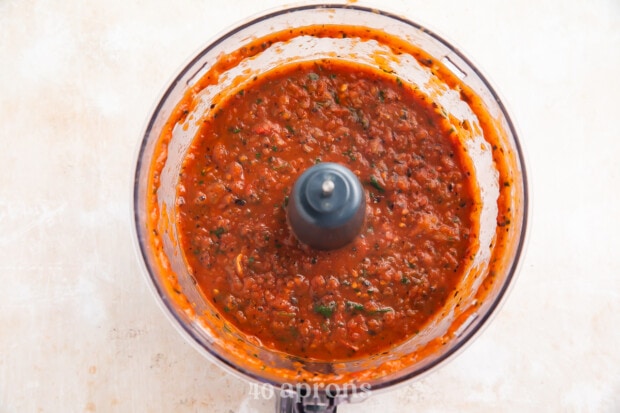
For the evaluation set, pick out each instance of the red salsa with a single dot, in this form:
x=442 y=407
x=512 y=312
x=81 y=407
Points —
x=233 y=190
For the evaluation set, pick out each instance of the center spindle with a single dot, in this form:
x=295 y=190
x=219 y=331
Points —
x=327 y=206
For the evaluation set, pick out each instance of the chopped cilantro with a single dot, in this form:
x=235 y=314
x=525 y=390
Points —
x=381 y=310
x=375 y=184
x=325 y=310
x=336 y=97
x=352 y=305
x=349 y=154
x=218 y=232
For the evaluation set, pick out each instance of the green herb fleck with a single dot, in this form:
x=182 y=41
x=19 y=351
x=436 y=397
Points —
x=381 y=310
x=349 y=154
x=336 y=97
x=352 y=305
x=290 y=129
x=218 y=232
x=358 y=116
x=325 y=310
x=375 y=184
x=259 y=101
x=313 y=76
x=234 y=129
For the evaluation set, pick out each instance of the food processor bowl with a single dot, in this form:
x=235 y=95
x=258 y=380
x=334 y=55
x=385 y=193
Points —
x=395 y=45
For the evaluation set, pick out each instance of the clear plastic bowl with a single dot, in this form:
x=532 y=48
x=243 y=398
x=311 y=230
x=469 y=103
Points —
x=440 y=71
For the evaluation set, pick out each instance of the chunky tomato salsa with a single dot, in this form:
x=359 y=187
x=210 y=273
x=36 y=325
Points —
x=233 y=190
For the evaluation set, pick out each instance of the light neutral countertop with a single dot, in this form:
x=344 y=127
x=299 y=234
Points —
x=80 y=331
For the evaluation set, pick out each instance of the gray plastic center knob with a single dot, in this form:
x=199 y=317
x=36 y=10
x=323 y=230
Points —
x=327 y=206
